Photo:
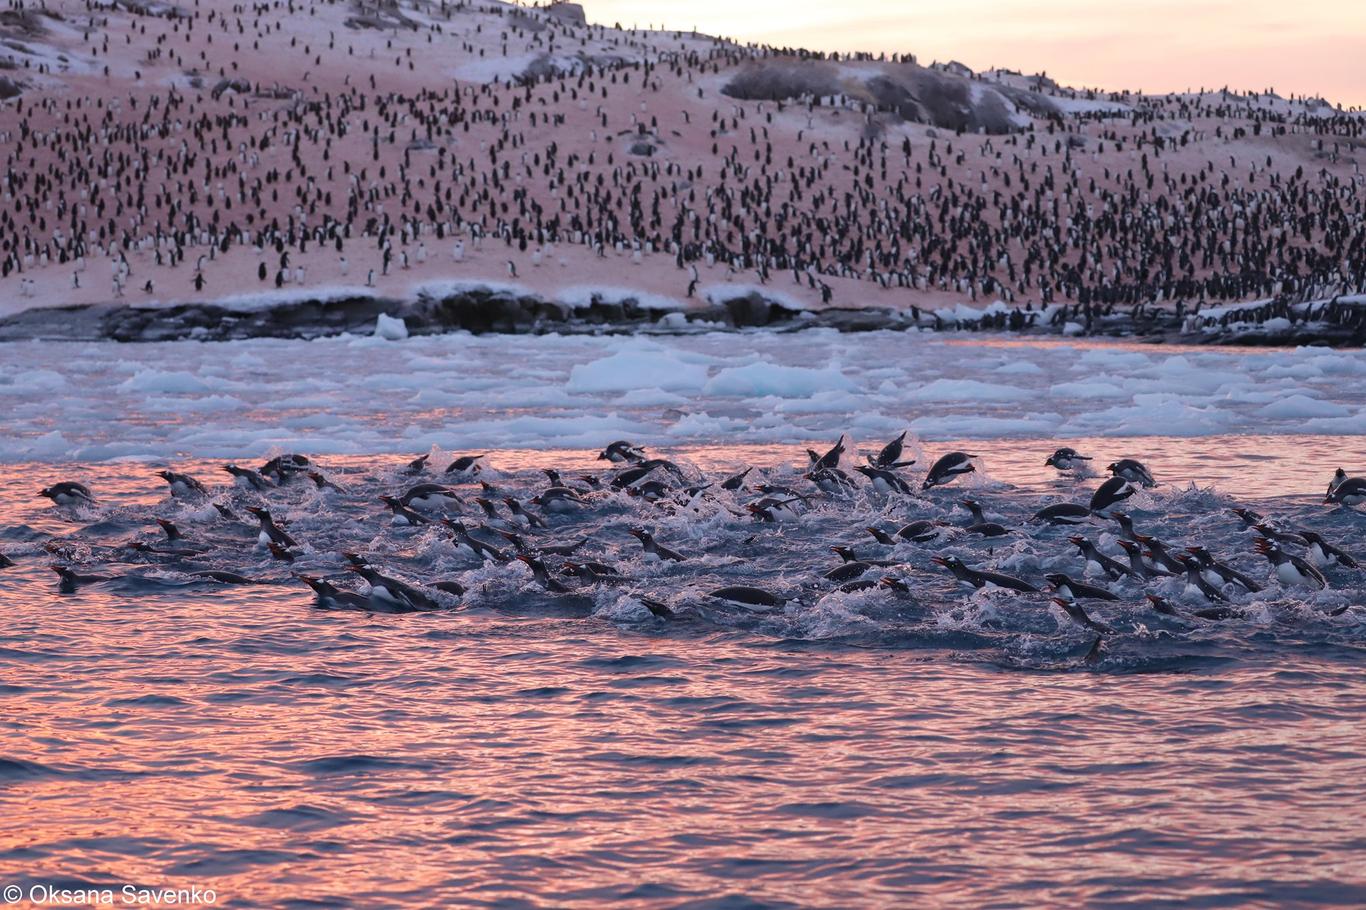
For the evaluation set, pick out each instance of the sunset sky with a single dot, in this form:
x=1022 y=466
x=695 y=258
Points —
x=1316 y=47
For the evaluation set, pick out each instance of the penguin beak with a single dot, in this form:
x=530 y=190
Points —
x=939 y=560
x=45 y=491
x=1077 y=540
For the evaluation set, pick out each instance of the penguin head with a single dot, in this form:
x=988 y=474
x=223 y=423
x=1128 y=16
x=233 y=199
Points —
x=47 y=491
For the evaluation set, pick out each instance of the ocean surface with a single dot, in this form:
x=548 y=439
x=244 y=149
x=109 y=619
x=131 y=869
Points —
x=918 y=745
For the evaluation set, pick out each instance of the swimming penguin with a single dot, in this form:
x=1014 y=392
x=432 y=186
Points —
x=431 y=496
x=883 y=480
x=1338 y=477
x=68 y=493
x=947 y=468
x=830 y=459
x=1291 y=570
x=831 y=480
x=1196 y=583
x=283 y=468
x=330 y=596
x=183 y=485
x=402 y=514
x=1158 y=553
x=748 y=597
x=465 y=465
x=522 y=516
x=1114 y=490
x=559 y=499
x=1063 y=513
x=1132 y=471
x=248 y=478
x=547 y=549
x=773 y=510
x=1097 y=563
x=320 y=481
x=982 y=579
x=889 y=459
x=735 y=481
x=1066 y=459
x=1140 y=568
x=1249 y=517
x=979 y=524
x=490 y=511
x=620 y=451
x=472 y=545
x=1070 y=589
x=542 y=575
x=1323 y=554
x=5 y=561
x=1219 y=574
x=394 y=591
x=593 y=572
x=1079 y=616
x=270 y=532
x=1126 y=524
x=1351 y=492
x=847 y=554
x=171 y=531
x=69 y=580
x=418 y=464
x=655 y=551
x=224 y=512
x=222 y=577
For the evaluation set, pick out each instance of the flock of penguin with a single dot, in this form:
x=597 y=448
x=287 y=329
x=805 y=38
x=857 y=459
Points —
x=486 y=524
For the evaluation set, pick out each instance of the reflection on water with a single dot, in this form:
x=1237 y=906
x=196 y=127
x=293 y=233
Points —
x=858 y=750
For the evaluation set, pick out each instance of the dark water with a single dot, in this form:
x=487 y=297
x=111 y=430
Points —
x=523 y=749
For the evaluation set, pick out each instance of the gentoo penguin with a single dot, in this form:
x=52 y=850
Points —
x=831 y=480
x=621 y=450
x=979 y=524
x=1066 y=459
x=947 y=468
x=402 y=514
x=431 y=496
x=884 y=480
x=69 y=579
x=1291 y=570
x=182 y=485
x=1063 y=513
x=282 y=468
x=222 y=577
x=1197 y=584
x=516 y=540
x=269 y=531
x=558 y=499
x=773 y=510
x=68 y=493
x=522 y=516
x=1126 y=524
x=467 y=543
x=418 y=464
x=1338 y=477
x=1078 y=615
x=1157 y=552
x=830 y=459
x=847 y=554
x=1219 y=574
x=1132 y=471
x=1097 y=563
x=1140 y=568
x=1323 y=554
x=320 y=481
x=1070 y=589
x=593 y=572
x=889 y=459
x=1163 y=606
x=330 y=596
x=847 y=570
x=655 y=551
x=465 y=465
x=392 y=590
x=919 y=531
x=5 y=561
x=248 y=478
x=1351 y=492
x=981 y=579
x=735 y=481
x=1114 y=490
x=1249 y=517
x=748 y=597
x=542 y=574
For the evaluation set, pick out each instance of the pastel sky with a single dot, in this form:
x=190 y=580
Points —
x=1314 y=47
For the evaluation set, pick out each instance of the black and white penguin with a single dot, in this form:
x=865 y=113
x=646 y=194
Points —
x=5 y=561
x=1132 y=471
x=332 y=597
x=402 y=514
x=542 y=574
x=68 y=493
x=654 y=550
x=735 y=481
x=889 y=459
x=1338 y=477
x=394 y=591
x=1291 y=570
x=1323 y=554
x=620 y=451
x=750 y=598
x=771 y=509
x=559 y=499
x=831 y=459
x=1066 y=459
x=1070 y=589
x=947 y=467
x=183 y=486
x=1161 y=557
x=522 y=516
x=247 y=478
x=832 y=480
x=1114 y=490
x=884 y=480
x=982 y=579
x=1097 y=563
x=1063 y=513
x=466 y=466
x=522 y=546
x=283 y=468
x=1217 y=573
x=593 y=572
x=473 y=546
x=269 y=531
x=1077 y=614
x=431 y=496
x=1351 y=492
x=1140 y=568
x=1196 y=583
x=418 y=464
x=979 y=524
x=69 y=579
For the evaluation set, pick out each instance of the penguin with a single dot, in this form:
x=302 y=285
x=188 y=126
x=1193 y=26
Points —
x=1157 y=552
x=919 y=531
x=283 y=468
x=1351 y=492
x=1140 y=568
x=884 y=481
x=832 y=481
x=418 y=464
x=332 y=597
x=542 y=575
x=468 y=543
x=1161 y=605
x=246 y=477
x=1132 y=471
x=947 y=468
x=1126 y=524
x=183 y=486
x=393 y=591
x=558 y=499
x=1078 y=615
x=521 y=545
x=1097 y=563
x=1249 y=517
x=620 y=451
x=1069 y=589
x=748 y=597
x=735 y=481
x=5 y=561
x=889 y=459
x=981 y=579
x=1291 y=570
x=979 y=524
x=847 y=554
x=773 y=510
x=222 y=577
x=402 y=514
x=270 y=532
x=431 y=496
x=1323 y=554
x=320 y=481
x=1219 y=574
x=655 y=551
x=69 y=580
x=512 y=269
x=593 y=572
x=831 y=459
x=1114 y=490
x=465 y=466
x=522 y=516
x=1063 y=513
x=68 y=493
x=1066 y=459
x=1338 y=477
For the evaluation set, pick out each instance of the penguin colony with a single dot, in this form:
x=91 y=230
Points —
x=144 y=143
x=488 y=520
